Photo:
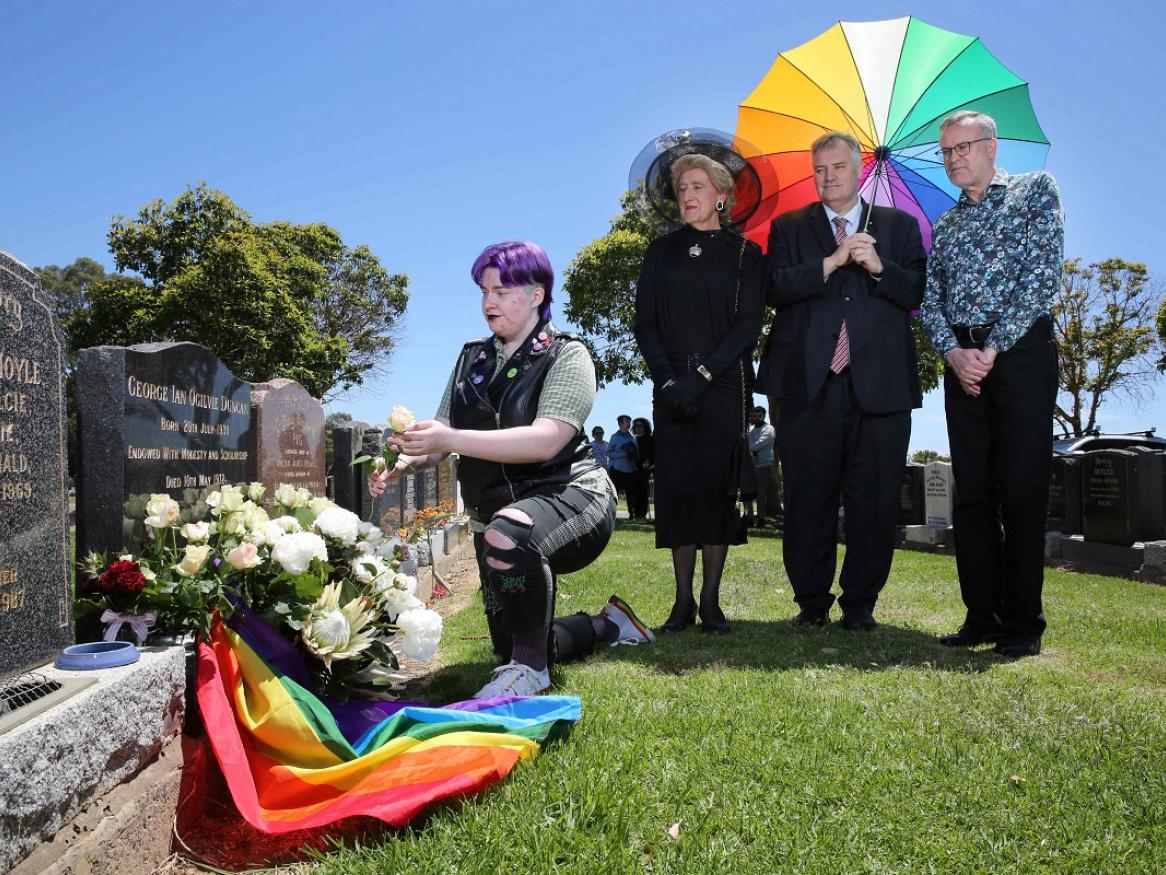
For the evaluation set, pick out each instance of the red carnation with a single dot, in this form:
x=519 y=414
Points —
x=122 y=579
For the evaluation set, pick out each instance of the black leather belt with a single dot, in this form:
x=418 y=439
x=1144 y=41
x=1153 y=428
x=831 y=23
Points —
x=972 y=336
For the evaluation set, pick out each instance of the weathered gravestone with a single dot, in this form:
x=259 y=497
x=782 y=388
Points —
x=446 y=474
x=911 y=505
x=153 y=418
x=937 y=494
x=36 y=584
x=1122 y=496
x=288 y=437
x=1064 y=513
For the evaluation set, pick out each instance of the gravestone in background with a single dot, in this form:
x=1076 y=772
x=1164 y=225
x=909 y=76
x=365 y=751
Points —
x=36 y=583
x=911 y=506
x=152 y=418
x=446 y=475
x=1122 y=496
x=288 y=437
x=1064 y=514
x=348 y=486
x=937 y=494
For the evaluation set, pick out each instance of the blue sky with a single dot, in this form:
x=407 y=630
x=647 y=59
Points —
x=430 y=130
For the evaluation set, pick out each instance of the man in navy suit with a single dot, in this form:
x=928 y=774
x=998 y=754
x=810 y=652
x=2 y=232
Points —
x=842 y=359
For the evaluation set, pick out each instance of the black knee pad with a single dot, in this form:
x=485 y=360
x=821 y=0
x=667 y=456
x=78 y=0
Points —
x=572 y=637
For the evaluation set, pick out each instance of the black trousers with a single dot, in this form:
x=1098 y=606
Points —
x=832 y=451
x=570 y=527
x=1001 y=455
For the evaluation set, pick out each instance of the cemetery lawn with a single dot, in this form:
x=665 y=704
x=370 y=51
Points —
x=822 y=751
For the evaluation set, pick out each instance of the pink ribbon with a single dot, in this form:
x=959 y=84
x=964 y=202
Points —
x=139 y=623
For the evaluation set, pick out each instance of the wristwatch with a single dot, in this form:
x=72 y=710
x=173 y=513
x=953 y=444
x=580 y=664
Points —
x=704 y=372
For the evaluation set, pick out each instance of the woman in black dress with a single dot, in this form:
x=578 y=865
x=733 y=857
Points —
x=699 y=304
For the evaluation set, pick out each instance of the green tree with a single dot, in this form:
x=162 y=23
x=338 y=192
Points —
x=271 y=300
x=1102 y=318
x=601 y=289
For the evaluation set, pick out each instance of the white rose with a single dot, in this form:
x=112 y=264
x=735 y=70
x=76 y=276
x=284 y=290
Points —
x=255 y=491
x=370 y=571
x=319 y=504
x=395 y=601
x=161 y=511
x=405 y=582
x=244 y=556
x=285 y=494
x=193 y=560
x=371 y=533
x=268 y=534
x=254 y=516
x=289 y=524
x=213 y=499
x=232 y=499
x=339 y=524
x=401 y=418
x=196 y=533
x=295 y=552
x=419 y=633
x=303 y=496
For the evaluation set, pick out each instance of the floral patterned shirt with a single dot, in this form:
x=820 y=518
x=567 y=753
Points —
x=996 y=261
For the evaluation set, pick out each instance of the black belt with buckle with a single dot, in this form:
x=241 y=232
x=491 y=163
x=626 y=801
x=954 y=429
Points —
x=972 y=336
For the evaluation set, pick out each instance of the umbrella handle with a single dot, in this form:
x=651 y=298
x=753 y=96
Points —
x=875 y=190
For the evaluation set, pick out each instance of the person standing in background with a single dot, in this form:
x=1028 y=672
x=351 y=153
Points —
x=623 y=458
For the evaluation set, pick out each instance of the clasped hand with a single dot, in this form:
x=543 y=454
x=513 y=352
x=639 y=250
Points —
x=971 y=366
x=858 y=249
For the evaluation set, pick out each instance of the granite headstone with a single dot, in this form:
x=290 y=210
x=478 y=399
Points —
x=911 y=507
x=348 y=484
x=288 y=436
x=36 y=586
x=1064 y=514
x=153 y=418
x=1122 y=496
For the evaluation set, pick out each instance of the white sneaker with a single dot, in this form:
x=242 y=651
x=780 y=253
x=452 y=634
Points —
x=515 y=679
x=631 y=629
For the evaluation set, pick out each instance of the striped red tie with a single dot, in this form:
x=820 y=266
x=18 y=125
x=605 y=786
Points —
x=841 y=359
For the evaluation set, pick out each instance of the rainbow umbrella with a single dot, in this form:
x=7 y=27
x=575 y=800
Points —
x=889 y=83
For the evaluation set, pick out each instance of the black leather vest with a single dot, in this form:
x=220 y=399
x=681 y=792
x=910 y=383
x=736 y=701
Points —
x=507 y=400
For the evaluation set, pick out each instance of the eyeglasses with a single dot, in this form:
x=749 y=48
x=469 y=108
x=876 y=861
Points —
x=960 y=149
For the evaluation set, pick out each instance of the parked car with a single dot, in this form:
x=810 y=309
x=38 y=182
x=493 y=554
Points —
x=1068 y=444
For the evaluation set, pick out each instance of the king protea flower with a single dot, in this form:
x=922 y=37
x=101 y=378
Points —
x=335 y=632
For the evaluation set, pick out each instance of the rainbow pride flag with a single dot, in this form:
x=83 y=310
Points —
x=293 y=760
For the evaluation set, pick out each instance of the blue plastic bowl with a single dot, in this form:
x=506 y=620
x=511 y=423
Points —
x=100 y=654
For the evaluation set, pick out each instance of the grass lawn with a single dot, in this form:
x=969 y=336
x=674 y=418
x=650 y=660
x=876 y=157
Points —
x=775 y=750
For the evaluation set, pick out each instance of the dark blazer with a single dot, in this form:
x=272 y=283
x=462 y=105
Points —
x=810 y=311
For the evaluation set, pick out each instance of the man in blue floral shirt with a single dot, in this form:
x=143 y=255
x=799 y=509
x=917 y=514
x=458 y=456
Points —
x=994 y=268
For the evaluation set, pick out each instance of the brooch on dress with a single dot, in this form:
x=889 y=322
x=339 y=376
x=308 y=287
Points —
x=694 y=250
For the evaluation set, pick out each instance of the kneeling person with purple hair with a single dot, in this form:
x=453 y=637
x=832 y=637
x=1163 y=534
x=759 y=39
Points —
x=539 y=503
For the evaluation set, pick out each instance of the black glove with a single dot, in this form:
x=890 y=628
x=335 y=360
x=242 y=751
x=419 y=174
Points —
x=682 y=394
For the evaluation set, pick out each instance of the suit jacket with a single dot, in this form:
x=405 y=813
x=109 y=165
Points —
x=810 y=311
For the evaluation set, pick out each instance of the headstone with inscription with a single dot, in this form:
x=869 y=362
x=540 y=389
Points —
x=1064 y=514
x=446 y=475
x=153 y=418
x=288 y=436
x=1122 y=496
x=911 y=510
x=937 y=494
x=36 y=584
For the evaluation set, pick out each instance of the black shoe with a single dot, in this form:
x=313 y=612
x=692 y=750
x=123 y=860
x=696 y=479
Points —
x=714 y=627
x=1015 y=648
x=969 y=636
x=856 y=622
x=677 y=624
x=808 y=618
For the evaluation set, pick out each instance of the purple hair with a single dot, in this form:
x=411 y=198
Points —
x=518 y=264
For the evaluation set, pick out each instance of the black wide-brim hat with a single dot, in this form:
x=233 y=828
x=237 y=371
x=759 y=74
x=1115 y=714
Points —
x=651 y=175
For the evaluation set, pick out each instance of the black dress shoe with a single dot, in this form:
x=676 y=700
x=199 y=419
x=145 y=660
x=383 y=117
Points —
x=674 y=625
x=858 y=622
x=807 y=618
x=969 y=636
x=1015 y=648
